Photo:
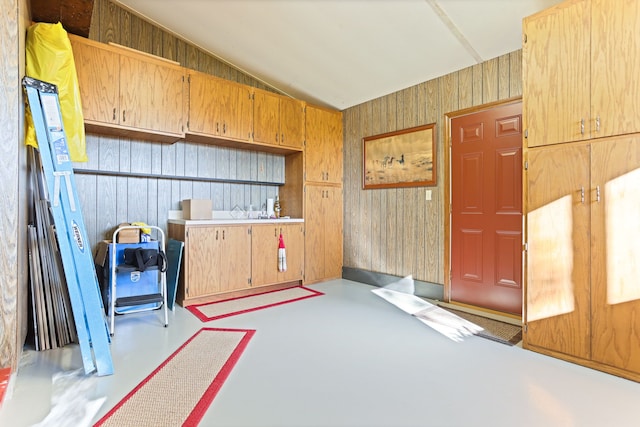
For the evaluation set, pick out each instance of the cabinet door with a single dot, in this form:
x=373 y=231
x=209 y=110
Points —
x=150 y=94
x=291 y=122
x=266 y=117
x=615 y=252
x=557 y=259
x=205 y=104
x=203 y=261
x=238 y=111
x=264 y=246
x=316 y=129
x=555 y=67
x=615 y=57
x=314 y=259
x=293 y=235
x=333 y=148
x=332 y=211
x=235 y=258
x=99 y=79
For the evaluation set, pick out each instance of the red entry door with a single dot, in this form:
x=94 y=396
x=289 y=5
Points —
x=486 y=205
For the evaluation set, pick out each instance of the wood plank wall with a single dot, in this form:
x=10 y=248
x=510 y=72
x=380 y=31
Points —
x=397 y=231
x=110 y=200
x=13 y=220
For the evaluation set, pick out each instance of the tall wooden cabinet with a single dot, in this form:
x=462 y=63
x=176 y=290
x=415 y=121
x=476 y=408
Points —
x=582 y=189
x=130 y=92
x=323 y=195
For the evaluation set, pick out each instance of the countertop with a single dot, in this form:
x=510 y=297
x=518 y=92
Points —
x=226 y=218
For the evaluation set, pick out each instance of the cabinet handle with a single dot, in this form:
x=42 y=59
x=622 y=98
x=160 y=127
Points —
x=598 y=193
x=581 y=194
x=282 y=139
x=275 y=232
x=216 y=234
x=277 y=137
x=582 y=126
x=124 y=116
x=598 y=123
x=114 y=114
x=217 y=127
x=222 y=234
x=224 y=128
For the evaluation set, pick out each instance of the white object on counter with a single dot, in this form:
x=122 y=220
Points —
x=270 y=211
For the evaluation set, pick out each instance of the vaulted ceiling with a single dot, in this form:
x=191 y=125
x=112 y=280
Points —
x=338 y=53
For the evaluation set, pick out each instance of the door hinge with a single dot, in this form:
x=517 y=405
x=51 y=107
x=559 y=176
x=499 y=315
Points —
x=525 y=327
x=189 y=79
x=526 y=165
x=525 y=247
x=249 y=230
x=249 y=280
x=525 y=38
x=526 y=133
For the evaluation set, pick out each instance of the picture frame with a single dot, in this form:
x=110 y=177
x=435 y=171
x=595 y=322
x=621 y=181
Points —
x=404 y=158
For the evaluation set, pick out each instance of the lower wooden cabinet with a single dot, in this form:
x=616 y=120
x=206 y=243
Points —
x=323 y=239
x=216 y=259
x=225 y=258
x=264 y=249
x=583 y=246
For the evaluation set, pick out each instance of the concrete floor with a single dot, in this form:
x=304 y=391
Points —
x=348 y=358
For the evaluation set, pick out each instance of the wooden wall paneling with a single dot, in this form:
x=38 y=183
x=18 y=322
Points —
x=433 y=218
x=243 y=165
x=350 y=209
x=363 y=225
x=157 y=41
x=515 y=75
x=217 y=195
x=109 y=21
x=391 y=244
x=152 y=203
x=477 y=84
x=156 y=157
x=124 y=30
x=94 y=27
x=376 y=213
x=410 y=235
x=465 y=90
x=205 y=166
x=121 y=199
x=191 y=59
x=164 y=203
x=108 y=152
x=504 y=71
x=140 y=156
x=137 y=199
x=490 y=81
x=141 y=35
x=106 y=208
x=169 y=46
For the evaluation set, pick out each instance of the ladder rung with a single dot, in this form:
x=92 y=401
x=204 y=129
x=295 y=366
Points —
x=139 y=300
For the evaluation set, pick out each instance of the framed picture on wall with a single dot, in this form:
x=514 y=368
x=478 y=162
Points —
x=404 y=158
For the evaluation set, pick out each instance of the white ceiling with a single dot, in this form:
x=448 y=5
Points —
x=340 y=53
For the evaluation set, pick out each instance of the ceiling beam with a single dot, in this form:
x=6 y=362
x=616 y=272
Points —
x=74 y=15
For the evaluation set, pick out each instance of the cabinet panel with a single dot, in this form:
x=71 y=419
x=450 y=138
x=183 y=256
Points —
x=150 y=95
x=558 y=222
x=265 y=240
x=99 y=80
x=235 y=258
x=292 y=123
x=203 y=261
x=615 y=57
x=323 y=151
x=266 y=117
x=323 y=233
x=556 y=80
x=219 y=108
x=615 y=250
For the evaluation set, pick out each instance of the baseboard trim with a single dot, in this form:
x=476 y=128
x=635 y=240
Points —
x=430 y=290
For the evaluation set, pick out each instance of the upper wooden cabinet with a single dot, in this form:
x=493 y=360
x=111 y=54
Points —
x=323 y=150
x=278 y=120
x=219 y=108
x=129 y=93
x=580 y=60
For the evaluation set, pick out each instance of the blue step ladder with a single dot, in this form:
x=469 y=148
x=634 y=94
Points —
x=75 y=251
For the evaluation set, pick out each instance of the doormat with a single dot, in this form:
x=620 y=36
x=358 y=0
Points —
x=495 y=330
x=180 y=390
x=232 y=306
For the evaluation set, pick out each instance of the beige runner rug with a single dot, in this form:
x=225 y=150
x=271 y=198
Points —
x=180 y=390
x=230 y=307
